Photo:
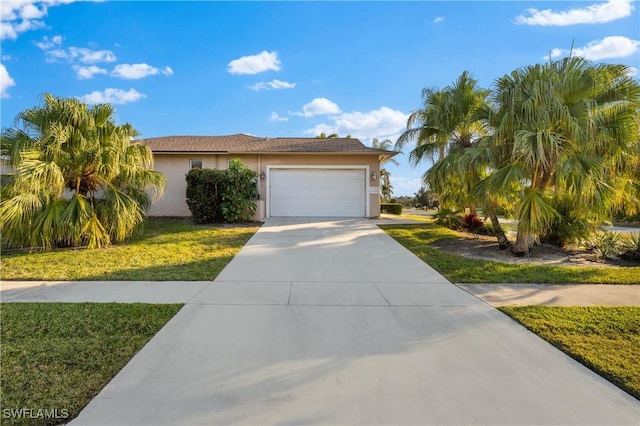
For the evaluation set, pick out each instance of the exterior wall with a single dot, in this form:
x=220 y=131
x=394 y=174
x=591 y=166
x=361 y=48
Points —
x=176 y=166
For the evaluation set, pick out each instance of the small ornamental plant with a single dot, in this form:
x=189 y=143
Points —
x=472 y=224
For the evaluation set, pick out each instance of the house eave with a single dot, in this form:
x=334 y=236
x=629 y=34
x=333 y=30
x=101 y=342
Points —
x=182 y=152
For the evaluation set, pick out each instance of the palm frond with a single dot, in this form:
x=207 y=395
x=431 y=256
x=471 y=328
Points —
x=535 y=212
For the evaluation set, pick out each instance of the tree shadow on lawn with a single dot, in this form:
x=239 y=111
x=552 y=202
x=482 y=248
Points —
x=460 y=269
x=198 y=270
x=467 y=260
x=157 y=230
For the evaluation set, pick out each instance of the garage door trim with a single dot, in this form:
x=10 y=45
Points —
x=318 y=167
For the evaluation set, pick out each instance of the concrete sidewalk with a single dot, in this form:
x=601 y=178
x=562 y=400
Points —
x=333 y=322
x=555 y=295
x=189 y=291
x=101 y=291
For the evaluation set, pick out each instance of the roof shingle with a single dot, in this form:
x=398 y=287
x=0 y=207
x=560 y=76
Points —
x=240 y=143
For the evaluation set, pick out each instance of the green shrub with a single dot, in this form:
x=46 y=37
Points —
x=631 y=247
x=572 y=227
x=606 y=245
x=625 y=217
x=391 y=208
x=215 y=196
x=203 y=197
x=449 y=219
x=566 y=232
x=240 y=193
x=487 y=229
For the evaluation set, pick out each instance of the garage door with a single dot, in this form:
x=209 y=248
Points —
x=317 y=193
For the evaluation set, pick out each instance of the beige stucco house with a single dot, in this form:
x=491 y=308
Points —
x=298 y=177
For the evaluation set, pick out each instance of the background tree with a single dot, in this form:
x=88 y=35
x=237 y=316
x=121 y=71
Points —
x=447 y=124
x=79 y=179
x=423 y=198
x=325 y=136
x=322 y=135
x=386 y=189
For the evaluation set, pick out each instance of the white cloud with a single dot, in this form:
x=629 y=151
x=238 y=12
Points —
x=80 y=54
x=85 y=73
x=47 y=43
x=83 y=60
x=318 y=106
x=272 y=85
x=596 y=14
x=89 y=56
x=11 y=30
x=438 y=19
x=112 y=96
x=5 y=82
x=137 y=71
x=555 y=53
x=607 y=48
x=30 y=11
x=255 y=64
x=19 y=16
x=381 y=123
x=275 y=117
x=327 y=129
x=632 y=72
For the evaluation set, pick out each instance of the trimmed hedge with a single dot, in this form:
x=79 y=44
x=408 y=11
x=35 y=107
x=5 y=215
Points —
x=391 y=208
x=215 y=196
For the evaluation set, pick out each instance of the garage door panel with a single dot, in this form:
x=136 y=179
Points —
x=317 y=192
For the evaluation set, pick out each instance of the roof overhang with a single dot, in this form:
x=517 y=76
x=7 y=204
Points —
x=386 y=156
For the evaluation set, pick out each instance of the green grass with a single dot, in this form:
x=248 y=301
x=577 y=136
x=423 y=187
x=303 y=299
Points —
x=460 y=269
x=426 y=219
x=605 y=339
x=167 y=251
x=58 y=356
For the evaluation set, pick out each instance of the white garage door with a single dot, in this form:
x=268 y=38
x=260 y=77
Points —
x=317 y=193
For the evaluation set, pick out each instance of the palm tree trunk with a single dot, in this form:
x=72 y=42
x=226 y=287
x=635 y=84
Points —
x=521 y=246
x=503 y=243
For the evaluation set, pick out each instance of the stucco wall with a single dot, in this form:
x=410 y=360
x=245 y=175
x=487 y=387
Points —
x=176 y=166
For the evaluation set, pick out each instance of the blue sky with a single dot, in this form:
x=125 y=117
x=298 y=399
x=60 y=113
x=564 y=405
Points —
x=288 y=68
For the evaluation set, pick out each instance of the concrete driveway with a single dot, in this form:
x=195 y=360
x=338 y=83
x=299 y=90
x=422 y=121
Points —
x=333 y=322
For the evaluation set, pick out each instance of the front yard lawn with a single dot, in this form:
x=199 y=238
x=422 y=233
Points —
x=58 y=356
x=461 y=269
x=605 y=339
x=168 y=251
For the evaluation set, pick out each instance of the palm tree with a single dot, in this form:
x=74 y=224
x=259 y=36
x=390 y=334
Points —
x=79 y=179
x=446 y=119
x=384 y=145
x=447 y=124
x=566 y=134
x=322 y=135
x=386 y=189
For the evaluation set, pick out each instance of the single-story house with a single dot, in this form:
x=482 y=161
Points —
x=298 y=177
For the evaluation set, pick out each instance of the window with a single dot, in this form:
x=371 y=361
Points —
x=195 y=164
